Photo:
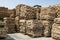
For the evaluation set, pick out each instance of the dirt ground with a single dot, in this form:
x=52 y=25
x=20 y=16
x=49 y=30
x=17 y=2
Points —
x=20 y=36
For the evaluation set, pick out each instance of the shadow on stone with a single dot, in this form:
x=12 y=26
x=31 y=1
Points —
x=7 y=38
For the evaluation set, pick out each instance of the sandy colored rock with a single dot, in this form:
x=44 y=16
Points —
x=12 y=12
x=22 y=25
x=47 y=17
x=38 y=9
x=26 y=12
x=10 y=24
x=3 y=30
x=47 y=27
x=34 y=28
x=57 y=20
x=56 y=31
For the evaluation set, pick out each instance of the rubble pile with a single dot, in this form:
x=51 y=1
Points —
x=12 y=13
x=25 y=12
x=56 y=26
x=3 y=30
x=10 y=24
x=22 y=26
x=34 y=28
x=38 y=11
x=34 y=21
x=47 y=16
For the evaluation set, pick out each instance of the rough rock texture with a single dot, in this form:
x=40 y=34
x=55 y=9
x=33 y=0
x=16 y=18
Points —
x=26 y=12
x=47 y=28
x=22 y=25
x=34 y=28
x=10 y=24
